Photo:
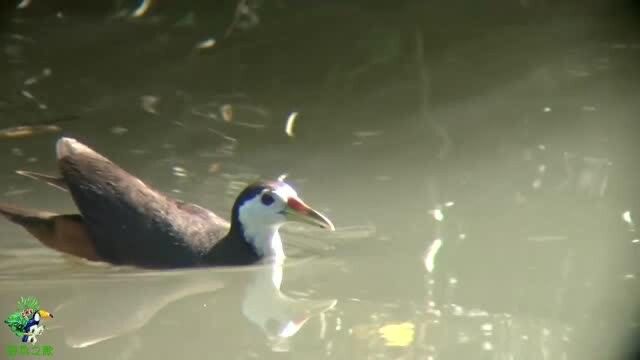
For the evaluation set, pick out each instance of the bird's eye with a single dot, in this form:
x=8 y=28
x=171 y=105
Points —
x=267 y=199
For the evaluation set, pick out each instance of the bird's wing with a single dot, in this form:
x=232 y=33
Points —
x=130 y=222
x=56 y=182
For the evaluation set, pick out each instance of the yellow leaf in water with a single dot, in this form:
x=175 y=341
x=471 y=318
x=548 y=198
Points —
x=397 y=334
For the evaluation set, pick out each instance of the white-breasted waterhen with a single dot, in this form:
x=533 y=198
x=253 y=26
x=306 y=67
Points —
x=123 y=221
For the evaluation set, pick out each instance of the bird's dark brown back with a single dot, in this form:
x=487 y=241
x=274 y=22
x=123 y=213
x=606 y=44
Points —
x=132 y=223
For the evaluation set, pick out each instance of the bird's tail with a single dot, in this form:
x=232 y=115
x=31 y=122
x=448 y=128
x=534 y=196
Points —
x=65 y=233
x=25 y=217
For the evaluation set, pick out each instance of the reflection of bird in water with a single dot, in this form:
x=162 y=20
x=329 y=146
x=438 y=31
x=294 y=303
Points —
x=124 y=221
x=126 y=311
x=278 y=315
x=124 y=308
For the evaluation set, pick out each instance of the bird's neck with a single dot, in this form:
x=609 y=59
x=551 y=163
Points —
x=265 y=240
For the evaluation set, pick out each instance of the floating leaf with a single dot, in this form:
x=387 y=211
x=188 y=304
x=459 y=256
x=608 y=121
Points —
x=398 y=335
x=24 y=131
x=227 y=112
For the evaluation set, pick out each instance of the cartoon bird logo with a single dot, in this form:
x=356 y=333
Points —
x=25 y=322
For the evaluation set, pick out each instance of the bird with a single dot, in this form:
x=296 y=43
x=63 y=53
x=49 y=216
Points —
x=124 y=221
x=278 y=315
x=32 y=329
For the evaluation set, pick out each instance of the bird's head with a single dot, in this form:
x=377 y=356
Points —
x=271 y=204
x=261 y=208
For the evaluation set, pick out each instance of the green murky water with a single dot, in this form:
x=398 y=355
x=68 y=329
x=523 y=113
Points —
x=480 y=169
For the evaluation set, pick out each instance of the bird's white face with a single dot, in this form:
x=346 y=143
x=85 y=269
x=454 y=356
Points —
x=267 y=208
x=262 y=215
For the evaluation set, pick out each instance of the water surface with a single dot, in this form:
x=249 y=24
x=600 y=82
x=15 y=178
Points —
x=481 y=175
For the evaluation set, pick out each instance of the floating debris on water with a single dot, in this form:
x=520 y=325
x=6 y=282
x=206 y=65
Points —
x=142 y=9
x=149 y=103
x=430 y=256
x=214 y=168
x=487 y=327
x=437 y=214
x=398 y=335
x=23 y=4
x=179 y=171
x=30 y=96
x=118 y=130
x=288 y=129
x=227 y=112
x=205 y=44
x=17 y=152
x=30 y=81
x=34 y=79
x=27 y=130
